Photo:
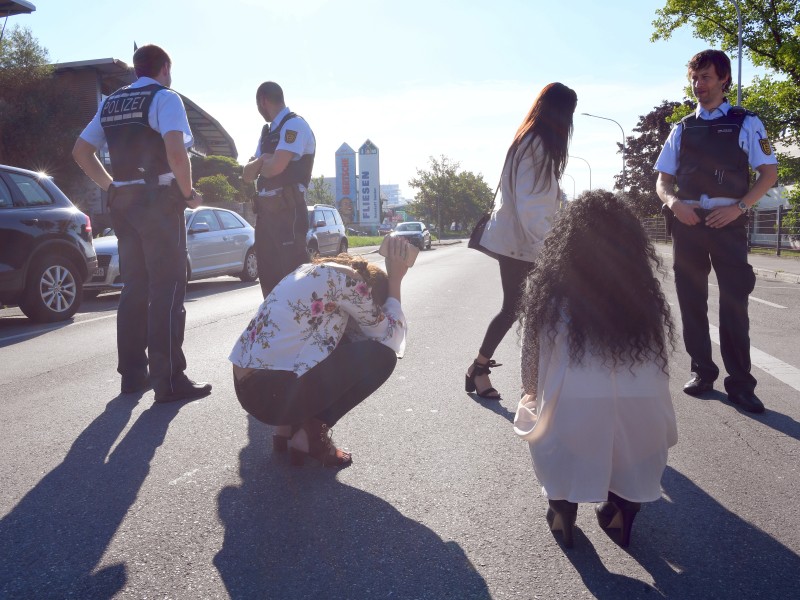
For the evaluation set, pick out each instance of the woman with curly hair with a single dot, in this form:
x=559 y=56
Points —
x=523 y=214
x=596 y=336
x=325 y=338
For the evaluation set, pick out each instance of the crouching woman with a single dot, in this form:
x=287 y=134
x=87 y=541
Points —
x=326 y=337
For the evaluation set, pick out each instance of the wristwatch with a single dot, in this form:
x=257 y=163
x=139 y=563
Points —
x=192 y=195
x=742 y=207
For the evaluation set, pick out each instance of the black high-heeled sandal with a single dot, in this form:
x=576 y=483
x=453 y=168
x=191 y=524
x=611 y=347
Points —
x=618 y=513
x=477 y=370
x=561 y=516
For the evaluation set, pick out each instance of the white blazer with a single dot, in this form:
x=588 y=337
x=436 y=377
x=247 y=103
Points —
x=523 y=212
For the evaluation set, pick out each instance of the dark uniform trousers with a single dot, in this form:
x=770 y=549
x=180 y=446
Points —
x=151 y=231
x=281 y=228
x=696 y=249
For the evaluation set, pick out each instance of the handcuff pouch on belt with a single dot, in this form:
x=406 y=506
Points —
x=278 y=201
x=668 y=218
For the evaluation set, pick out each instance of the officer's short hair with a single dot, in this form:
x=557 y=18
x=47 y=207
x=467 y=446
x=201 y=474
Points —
x=149 y=60
x=720 y=60
x=271 y=91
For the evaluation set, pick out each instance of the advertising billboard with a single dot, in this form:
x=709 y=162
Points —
x=346 y=190
x=369 y=187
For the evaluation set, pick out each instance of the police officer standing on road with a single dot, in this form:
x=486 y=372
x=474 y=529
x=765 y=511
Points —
x=147 y=132
x=282 y=169
x=704 y=180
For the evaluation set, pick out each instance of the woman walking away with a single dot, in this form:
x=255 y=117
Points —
x=596 y=335
x=325 y=338
x=523 y=213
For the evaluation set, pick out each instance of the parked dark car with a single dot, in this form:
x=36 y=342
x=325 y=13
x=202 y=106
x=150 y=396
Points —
x=219 y=242
x=46 y=250
x=326 y=233
x=416 y=233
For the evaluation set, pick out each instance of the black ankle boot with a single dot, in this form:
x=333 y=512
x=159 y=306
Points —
x=562 y=515
x=618 y=513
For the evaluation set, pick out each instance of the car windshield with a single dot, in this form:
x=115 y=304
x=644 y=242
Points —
x=409 y=227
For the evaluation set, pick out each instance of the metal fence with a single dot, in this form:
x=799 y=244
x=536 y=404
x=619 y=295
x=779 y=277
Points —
x=765 y=230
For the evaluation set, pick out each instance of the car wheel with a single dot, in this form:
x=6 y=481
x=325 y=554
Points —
x=343 y=246
x=428 y=246
x=53 y=290
x=313 y=250
x=250 y=272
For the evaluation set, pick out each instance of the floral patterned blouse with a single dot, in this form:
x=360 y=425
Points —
x=303 y=319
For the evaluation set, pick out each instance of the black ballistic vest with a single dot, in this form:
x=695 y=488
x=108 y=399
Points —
x=297 y=171
x=137 y=150
x=711 y=161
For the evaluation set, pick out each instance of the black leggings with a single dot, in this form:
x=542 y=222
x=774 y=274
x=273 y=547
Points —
x=327 y=391
x=512 y=276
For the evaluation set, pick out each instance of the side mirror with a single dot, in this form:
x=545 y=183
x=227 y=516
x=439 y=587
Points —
x=320 y=223
x=200 y=228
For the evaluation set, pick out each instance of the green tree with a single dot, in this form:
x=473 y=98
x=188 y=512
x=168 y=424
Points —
x=209 y=166
x=216 y=189
x=642 y=150
x=446 y=194
x=39 y=120
x=319 y=192
x=770 y=39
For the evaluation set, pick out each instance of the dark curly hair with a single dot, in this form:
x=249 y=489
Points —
x=597 y=265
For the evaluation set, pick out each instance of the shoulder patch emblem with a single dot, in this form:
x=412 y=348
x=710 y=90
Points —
x=765 y=147
x=290 y=136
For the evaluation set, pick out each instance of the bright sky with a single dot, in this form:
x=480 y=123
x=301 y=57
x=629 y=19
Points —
x=419 y=78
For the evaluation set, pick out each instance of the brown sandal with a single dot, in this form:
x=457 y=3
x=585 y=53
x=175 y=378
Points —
x=320 y=447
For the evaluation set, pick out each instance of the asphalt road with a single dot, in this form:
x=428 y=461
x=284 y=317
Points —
x=108 y=496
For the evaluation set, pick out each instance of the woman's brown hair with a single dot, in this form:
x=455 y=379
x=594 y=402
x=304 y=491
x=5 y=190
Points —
x=376 y=278
x=549 y=119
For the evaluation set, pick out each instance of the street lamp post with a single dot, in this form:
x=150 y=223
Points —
x=573 y=184
x=624 y=180
x=588 y=165
x=739 y=78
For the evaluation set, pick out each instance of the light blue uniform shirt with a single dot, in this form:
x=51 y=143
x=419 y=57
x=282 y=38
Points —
x=750 y=140
x=167 y=113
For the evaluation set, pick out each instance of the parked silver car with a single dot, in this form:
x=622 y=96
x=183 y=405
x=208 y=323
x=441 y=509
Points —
x=326 y=232
x=219 y=241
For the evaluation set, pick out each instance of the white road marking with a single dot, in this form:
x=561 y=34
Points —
x=769 y=364
x=38 y=331
x=772 y=304
x=185 y=477
x=767 y=302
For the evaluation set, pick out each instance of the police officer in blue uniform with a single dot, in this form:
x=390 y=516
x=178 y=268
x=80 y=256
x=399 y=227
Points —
x=147 y=132
x=282 y=168
x=704 y=181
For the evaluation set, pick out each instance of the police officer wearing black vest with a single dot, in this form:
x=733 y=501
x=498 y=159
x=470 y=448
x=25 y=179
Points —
x=704 y=182
x=282 y=168
x=147 y=132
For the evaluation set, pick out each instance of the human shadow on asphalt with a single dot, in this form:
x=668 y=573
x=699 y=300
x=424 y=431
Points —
x=300 y=533
x=53 y=539
x=493 y=405
x=771 y=418
x=692 y=547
